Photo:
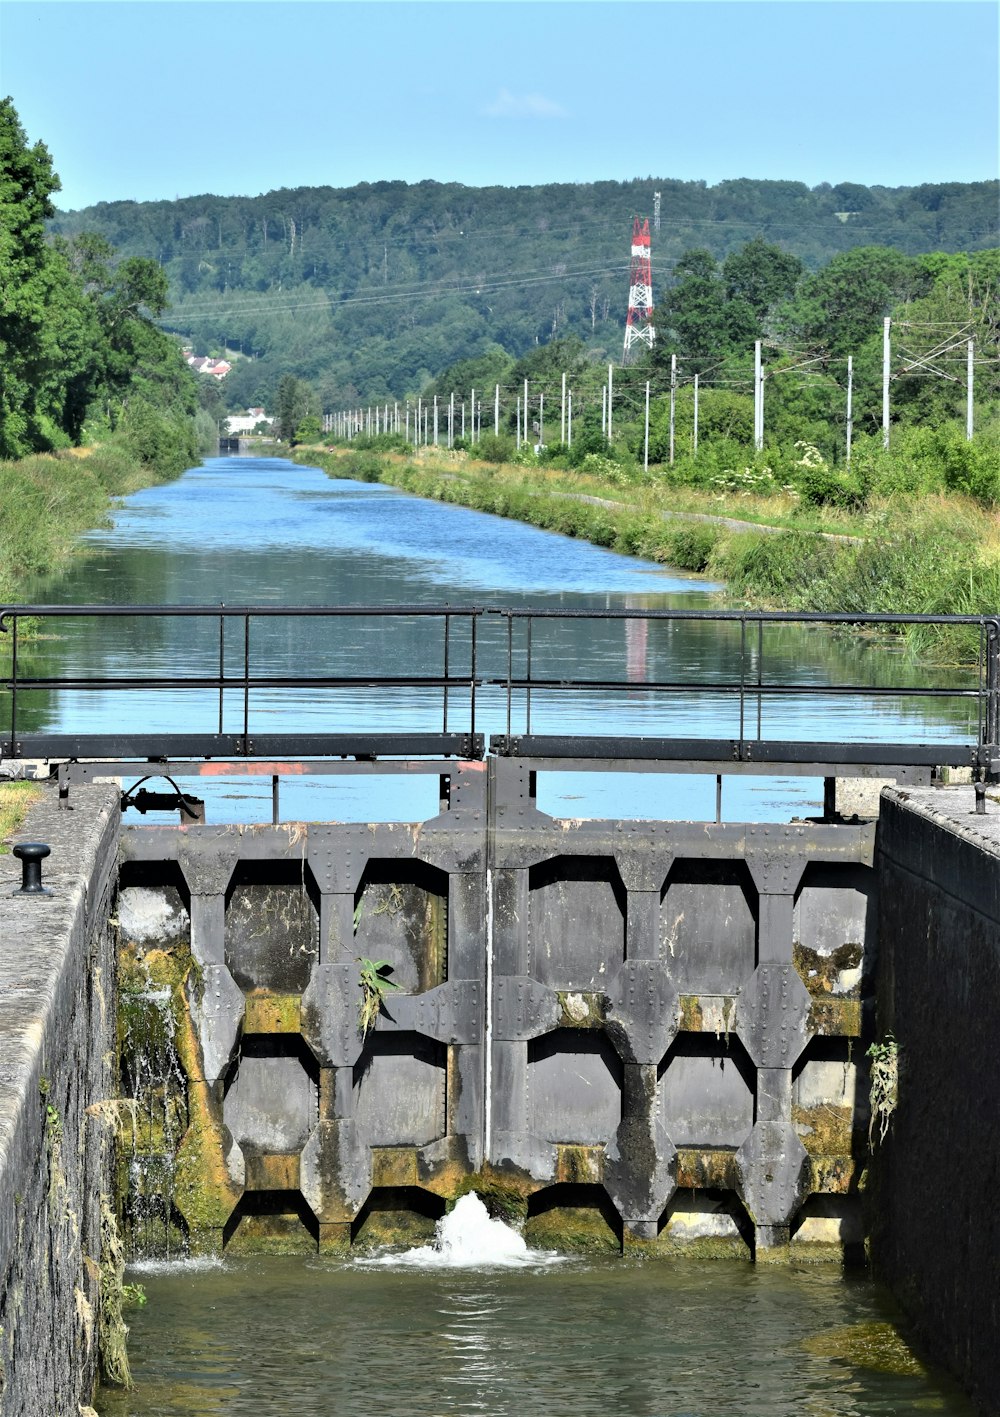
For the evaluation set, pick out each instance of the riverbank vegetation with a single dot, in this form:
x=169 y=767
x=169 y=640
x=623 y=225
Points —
x=15 y=799
x=81 y=362
x=49 y=500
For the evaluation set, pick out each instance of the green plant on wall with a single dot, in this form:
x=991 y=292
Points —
x=884 y=1090
x=374 y=984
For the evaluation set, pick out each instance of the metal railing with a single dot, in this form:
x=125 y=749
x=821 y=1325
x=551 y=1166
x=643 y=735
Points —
x=411 y=681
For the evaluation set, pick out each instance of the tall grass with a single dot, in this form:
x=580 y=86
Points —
x=49 y=500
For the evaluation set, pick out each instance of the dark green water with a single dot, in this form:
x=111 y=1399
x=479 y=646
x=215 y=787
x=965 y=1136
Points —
x=295 y=1338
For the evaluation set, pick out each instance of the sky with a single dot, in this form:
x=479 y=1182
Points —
x=171 y=98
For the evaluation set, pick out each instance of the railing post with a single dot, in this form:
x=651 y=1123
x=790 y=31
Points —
x=447 y=636
x=760 y=675
x=992 y=725
x=743 y=675
x=510 y=667
x=13 y=688
x=527 y=682
x=222 y=665
x=246 y=683
x=472 y=674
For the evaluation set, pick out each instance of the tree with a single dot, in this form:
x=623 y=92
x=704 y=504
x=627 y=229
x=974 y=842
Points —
x=761 y=275
x=694 y=311
x=37 y=297
x=295 y=402
x=843 y=304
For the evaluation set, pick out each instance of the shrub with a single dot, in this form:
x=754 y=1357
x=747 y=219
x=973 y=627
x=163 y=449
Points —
x=495 y=448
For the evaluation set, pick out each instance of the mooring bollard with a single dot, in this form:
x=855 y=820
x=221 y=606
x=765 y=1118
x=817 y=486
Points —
x=980 y=798
x=31 y=854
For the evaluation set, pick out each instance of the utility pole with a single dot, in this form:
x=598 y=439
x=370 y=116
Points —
x=435 y=420
x=850 y=404
x=451 y=421
x=472 y=405
x=569 y=419
x=604 y=410
x=694 y=445
x=541 y=419
x=496 y=412
x=673 y=403
x=562 y=412
x=758 y=399
x=969 y=365
x=518 y=443
x=416 y=426
x=645 y=455
x=886 y=355
x=610 y=387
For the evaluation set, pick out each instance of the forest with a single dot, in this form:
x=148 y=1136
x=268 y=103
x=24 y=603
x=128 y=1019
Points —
x=370 y=292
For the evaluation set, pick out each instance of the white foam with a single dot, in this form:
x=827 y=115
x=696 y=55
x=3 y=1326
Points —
x=467 y=1238
x=191 y=1265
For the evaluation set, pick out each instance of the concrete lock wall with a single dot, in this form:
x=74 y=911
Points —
x=935 y=1232
x=623 y=1032
x=56 y=1050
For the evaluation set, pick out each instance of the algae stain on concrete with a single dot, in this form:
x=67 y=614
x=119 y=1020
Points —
x=877 y=1346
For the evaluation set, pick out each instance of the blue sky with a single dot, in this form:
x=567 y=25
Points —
x=151 y=100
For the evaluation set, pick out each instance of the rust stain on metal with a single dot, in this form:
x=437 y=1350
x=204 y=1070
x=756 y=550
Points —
x=246 y=768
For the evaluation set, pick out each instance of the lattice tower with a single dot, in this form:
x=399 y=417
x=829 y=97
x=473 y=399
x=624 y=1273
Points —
x=639 y=325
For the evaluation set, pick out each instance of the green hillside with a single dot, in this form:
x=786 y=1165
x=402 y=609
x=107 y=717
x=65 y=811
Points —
x=370 y=291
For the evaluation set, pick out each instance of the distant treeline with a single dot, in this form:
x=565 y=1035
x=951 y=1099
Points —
x=370 y=291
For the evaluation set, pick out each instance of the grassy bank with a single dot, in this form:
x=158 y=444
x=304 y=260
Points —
x=48 y=501
x=929 y=555
x=15 y=799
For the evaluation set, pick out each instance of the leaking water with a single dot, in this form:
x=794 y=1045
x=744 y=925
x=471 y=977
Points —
x=156 y=1117
x=468 y=1238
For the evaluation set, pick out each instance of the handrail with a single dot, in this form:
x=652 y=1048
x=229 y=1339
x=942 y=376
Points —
x=458 y=663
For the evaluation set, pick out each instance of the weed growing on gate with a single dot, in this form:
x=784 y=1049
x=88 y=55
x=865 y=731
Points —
x=884 y=1091
x=375 y=985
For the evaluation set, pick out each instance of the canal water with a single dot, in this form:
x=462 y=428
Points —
x=585 y=1336
x=268 y=532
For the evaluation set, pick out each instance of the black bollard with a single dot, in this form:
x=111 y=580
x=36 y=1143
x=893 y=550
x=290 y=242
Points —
x=980 y=798
x=31 y=854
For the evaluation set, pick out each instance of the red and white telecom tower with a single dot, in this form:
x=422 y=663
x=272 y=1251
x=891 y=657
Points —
x=639 y=326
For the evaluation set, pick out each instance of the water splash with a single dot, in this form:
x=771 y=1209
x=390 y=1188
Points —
x=154 y=1091
x=467 y=1238
x=193 y=1264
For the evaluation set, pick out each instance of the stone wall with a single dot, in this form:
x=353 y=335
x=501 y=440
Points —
x=56 y=1055
x=936 y=1228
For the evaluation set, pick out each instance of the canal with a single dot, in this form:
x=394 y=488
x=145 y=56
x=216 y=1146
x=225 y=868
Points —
x=546 y=1335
